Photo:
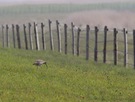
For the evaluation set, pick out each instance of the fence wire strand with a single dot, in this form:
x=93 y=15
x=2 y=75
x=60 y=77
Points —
x=79 y=40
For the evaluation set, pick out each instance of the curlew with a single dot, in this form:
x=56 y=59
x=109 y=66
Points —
x=40 y=62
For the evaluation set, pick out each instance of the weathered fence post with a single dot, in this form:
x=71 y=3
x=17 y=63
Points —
x=13 y=32
x=43 y=36
x=36 y=36
x=18 y=36
x=73 y=38
x=7 y=35
x=87 y=41
x=96 y=45
x=105 y=43
x=134 y=46
x=65 y=33
x=115 y=47
x=78 y=41
x=51 y=36
x=25 y=37
x=3 y=38
x=59 y=36
x=30 y=36
x=125 y=48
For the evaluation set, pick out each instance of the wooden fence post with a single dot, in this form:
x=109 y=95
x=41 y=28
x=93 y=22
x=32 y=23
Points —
x=25 y=37
x=36 y=36
x=51 y=36
x=87 y=41
x=65 y=32
x=3 y=38
x=96 y=45
x=30 y=36
x=43 y=36
x=105 y=43
x=59 y=36
x=78 y=41
x=7 y=35
x=18 y=36
x=73 y=38
x=125 y=48
x=115 y=47
x=134 y=46
x=13 y=32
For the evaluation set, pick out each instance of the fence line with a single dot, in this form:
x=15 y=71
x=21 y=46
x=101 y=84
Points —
x=59 y=36
x=18 y=36
x=13 y=32
x=30 y=36
x=87 y=41
x=134 y=46
x=103 y=45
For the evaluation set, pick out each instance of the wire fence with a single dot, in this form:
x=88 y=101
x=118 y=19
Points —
x=102 y=45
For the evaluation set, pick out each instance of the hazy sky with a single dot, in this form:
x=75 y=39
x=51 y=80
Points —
x=59 y=1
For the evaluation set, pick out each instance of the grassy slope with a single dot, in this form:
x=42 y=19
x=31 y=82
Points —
x=67 y=79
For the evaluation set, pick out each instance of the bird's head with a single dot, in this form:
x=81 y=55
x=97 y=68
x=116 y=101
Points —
x=45 y=63
x=34 y=63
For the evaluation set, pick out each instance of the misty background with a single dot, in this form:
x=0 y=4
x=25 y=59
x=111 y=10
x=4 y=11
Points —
x=116 y=13
x=62 y=1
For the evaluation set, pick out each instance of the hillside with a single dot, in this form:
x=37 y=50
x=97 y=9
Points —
x=67 y=79
x=113 y=15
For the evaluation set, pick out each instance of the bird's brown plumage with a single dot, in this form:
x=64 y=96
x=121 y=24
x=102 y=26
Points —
x=39 y=62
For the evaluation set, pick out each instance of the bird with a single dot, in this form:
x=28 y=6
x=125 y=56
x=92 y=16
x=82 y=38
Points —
x=39 y=62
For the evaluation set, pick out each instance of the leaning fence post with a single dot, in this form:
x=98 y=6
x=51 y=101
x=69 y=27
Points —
x=51 y=36
x=125 y=48
x=134 y=46
x=13 y=32
x=65 y=32
x=96 y=45
x=87 y=41
x=105 y=43
x=59 y=36
x=18 y=36
x=43 y=36
x=7 y=35
x=25 y=37
x=73 y=38
x=78 y=41
x=30 y=36
x=36 y=36
x=3 y=38
x=115 y=47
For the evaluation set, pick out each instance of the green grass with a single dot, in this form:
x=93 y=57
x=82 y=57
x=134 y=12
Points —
x=82 y=47
x=67 y=79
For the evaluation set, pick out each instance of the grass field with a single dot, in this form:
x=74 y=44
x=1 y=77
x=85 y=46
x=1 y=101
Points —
x=67 y=79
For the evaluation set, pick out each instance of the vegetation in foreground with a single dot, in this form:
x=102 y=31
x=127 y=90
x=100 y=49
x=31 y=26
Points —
x=67 y=79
